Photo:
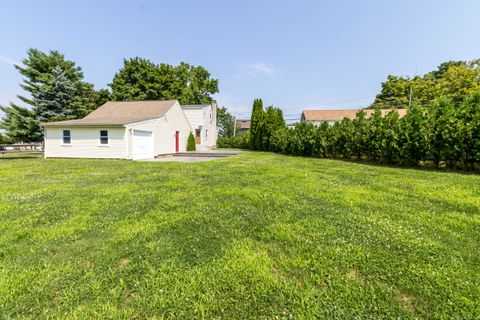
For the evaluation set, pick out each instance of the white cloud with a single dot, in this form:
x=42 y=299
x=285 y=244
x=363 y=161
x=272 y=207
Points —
x=7 y=60
x=261 y=69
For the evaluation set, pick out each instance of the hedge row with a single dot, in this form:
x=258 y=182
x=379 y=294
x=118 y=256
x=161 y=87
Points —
x=444 y=135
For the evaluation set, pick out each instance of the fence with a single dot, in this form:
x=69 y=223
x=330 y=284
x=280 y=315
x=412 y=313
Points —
x=21 y=148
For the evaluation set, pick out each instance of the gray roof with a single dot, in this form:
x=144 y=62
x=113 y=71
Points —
x=119 y=113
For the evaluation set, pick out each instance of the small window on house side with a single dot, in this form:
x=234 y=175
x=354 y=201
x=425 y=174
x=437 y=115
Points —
x=103 y=136
x=67 y=138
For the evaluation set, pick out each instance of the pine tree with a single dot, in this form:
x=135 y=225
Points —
x=55 y=100
x=257 y=125
x=20 y=124
x=191 y=143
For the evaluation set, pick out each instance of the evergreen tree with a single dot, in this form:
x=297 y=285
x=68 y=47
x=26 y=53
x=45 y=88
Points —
x=257 y=125
x=438 y=138
x=56 y=100
x=360 y=140
x=191 y=142
x=20 y=124
x=412 y=136
x=375 y=134
x=389 y=151
x=469 y=132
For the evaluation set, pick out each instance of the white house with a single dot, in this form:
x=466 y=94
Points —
x=131 y=130
x=203 y=119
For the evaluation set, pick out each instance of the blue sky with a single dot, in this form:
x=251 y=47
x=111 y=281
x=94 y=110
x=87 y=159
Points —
x=294 y=54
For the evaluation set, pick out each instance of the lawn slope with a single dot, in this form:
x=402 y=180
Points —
x=256 y=235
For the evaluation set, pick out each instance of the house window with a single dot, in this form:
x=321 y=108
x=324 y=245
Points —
x=103 y=136
x=67 y=138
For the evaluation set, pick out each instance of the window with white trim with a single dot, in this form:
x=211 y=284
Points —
x=67 y=138
x=104 y=137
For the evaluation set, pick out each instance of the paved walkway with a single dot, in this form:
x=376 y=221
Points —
x=195 y=156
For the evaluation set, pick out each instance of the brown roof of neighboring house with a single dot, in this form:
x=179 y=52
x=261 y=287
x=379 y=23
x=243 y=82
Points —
x=338 y=115
x=119 y=113
x=243 y=124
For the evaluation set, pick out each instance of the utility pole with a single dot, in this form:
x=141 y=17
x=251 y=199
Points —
x=410 y=98
x=234 y=120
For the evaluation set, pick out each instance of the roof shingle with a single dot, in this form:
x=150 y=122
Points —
x=119 y=113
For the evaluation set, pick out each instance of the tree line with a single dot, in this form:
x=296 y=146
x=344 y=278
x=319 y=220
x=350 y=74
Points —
x=443 y=135
x=441 y=127
x=56 y=90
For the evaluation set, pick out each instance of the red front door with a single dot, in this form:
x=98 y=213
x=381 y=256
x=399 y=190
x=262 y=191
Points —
x=177 y=136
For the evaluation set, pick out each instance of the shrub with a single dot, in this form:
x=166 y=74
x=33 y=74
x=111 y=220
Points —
x=238 y=142
x=191 y=142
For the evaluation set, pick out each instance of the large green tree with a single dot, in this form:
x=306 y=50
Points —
x=56 y=100
x=225 y=122
x=54 y=89
x=37 y=69
x=20 y=124
x=454 y=80
x=141 y=79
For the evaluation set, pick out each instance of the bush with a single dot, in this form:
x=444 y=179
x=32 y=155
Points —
x=442 y=134
x=191 y=143
x=239 y=142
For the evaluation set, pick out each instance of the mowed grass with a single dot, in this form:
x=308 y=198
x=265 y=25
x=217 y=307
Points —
x=256 y=235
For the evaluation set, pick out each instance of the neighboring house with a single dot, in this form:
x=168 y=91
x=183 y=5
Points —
x=317 y=117
x=243 y=125
x=130 y=130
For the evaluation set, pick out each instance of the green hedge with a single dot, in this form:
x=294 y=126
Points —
x=442 y=135
x=239 y=142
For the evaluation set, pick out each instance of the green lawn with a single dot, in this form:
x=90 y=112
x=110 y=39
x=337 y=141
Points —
x=256 y=235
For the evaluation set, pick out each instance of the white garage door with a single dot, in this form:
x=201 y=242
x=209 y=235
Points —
x=142 y=145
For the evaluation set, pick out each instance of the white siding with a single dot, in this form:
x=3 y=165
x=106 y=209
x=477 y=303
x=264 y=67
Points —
x=164 y=131
x=85 y=143
x=206 y=117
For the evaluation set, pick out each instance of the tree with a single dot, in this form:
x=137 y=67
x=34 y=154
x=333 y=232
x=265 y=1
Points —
x=141 y=79
x=20 y=124
x=361 y=135
x=257 y=125
x=469 y=132
x=273 y=122
x=191 y=142
x=4 y=139
x=454 y=80
x=56 y=90
x=56 y=100
x=37 y=68
x=438 y=138
x=225 y=122
x=412 y=136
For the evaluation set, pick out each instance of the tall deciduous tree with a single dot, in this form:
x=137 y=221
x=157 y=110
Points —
x=454 y=80
x=225 y=122
x=141 y=79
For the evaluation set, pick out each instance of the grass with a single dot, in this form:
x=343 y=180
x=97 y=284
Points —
x=256 y=235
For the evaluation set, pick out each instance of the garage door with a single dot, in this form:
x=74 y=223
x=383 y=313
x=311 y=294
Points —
x=142 y=145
